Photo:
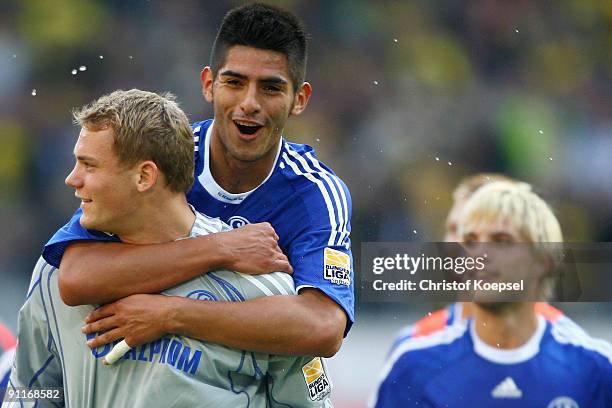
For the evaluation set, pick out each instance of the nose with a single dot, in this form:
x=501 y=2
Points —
x=73 y=179
x=250 y=103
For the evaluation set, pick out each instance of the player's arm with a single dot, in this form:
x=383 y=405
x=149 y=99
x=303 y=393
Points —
x=101 y=272
x=306 y=324
x=311 y=323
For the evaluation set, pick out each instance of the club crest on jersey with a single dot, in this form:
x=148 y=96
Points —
x=237 y=221
x=337 y=267
x=316 y=379
x=563 y=402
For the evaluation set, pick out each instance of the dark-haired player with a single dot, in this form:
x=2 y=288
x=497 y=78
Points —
x=246 y=172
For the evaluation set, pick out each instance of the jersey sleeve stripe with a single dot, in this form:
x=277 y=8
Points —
x=344 y=234
x=331 y=186
x=324 y=185
x=575 y=336
x=330 y=208
x=339 y=197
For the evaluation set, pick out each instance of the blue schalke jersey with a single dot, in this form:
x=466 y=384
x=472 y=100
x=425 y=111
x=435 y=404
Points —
x=559 y=367
x=306 y=203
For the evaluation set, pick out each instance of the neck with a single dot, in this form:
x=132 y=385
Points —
x=507 y=327
x=238 y=176
x=162 y=219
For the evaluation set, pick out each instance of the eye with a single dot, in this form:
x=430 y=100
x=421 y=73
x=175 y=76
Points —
x=503 y=239
x=88 y=166
x=272 y=88
x=469 y=240
x=232 y=82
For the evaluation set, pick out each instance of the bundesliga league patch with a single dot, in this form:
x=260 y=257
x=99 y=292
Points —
x=316 y=379
x=337 y=267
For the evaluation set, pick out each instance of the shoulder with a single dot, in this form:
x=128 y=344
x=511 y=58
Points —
x=577 y=348
x=431 y=323
x=299 y=164
x=419 y=354
x=200 y=127
x=319 y=196
x=199 y=130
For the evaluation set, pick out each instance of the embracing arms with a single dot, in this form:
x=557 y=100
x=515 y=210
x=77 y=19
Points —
x=88 y=268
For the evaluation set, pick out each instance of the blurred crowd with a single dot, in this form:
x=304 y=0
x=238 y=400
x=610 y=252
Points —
x=409 y=96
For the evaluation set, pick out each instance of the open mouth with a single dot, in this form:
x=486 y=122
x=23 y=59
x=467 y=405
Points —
x=247 y=128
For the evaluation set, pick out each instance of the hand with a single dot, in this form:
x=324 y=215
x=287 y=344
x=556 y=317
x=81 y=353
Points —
x=138 y=319
x=253 y=249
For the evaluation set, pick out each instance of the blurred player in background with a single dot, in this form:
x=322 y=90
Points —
x=458 y=311
x=134 y=164
x=7 y=351
x=506 y=354
x=246 y=172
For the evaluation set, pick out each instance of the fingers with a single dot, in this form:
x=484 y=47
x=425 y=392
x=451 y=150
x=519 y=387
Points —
x=105 y=338
x=99 y=326
x=283 y=266
x=100 y=313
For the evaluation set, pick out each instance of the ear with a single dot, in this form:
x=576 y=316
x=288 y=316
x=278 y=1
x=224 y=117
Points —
x=207 y=79
x=301 y=98
x=146 y=175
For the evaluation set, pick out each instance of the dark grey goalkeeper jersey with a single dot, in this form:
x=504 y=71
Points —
x=174 y=371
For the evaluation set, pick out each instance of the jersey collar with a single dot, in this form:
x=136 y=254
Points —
x=210 y=185
x=511 y=356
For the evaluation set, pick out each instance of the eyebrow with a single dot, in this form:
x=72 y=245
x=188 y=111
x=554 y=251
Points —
x=86 y=158
x=267 y=80
x=502 y=234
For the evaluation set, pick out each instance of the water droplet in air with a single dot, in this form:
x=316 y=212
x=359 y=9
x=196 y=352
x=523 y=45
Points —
x=318 y=140
x=541 y=131
x=375 y=82
x=73 y=72
x=131 y=57
x=415 y=231
x=516 y=30
x=550 y=158
x=82 y=68
x=14 y=55
x=437 y=158
x=33 y=92
x=395 y=40
x=101 y=56
x=450 y=163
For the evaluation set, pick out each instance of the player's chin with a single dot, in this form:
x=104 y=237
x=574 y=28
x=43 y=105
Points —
x=88 y=222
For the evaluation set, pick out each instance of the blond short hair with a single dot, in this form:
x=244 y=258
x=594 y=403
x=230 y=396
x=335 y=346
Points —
x=146 y=126
x=469 y=184
x=516 y=204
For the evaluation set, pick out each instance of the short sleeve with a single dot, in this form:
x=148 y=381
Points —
x=69 y=233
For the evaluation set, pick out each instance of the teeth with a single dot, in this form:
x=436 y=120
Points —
x=241 y=123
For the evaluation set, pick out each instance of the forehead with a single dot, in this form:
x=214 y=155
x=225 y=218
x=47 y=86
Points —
x=256 y=63
x=95 y=143
x=489 y=225
x=454 y=215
